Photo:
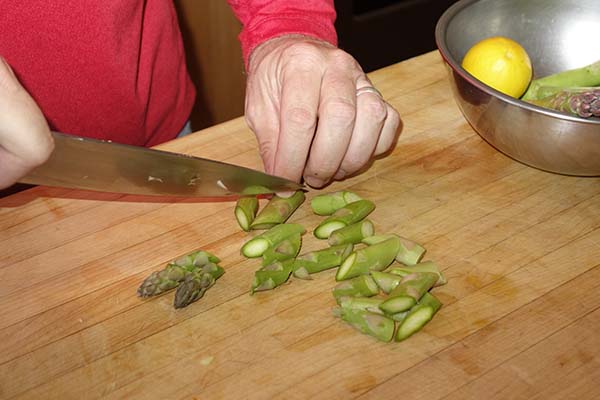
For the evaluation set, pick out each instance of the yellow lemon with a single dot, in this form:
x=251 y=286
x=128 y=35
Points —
x=501 y=63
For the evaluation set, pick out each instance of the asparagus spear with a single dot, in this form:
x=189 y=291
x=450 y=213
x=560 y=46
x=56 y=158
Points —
x=199 y=258
x=581 y=102
x=277 y=211
x=256 y=246
x=320 y=260
x=579 y=77
x=352 y=233
x=409 y=253
x=245 y=211
x=371 y=258
x=328 y=203
x=362 y=285
x=347 y=215
x=426 y=266
x=408 y=292
x=196 y=284
x=375 y=325
x=287 y=248
x=418 y=316
x=273 y=275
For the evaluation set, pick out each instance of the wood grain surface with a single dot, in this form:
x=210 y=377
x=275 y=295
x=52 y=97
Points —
x=520 y=248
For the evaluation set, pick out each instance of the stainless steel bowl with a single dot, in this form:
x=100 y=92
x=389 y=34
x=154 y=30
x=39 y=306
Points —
x=558 y=35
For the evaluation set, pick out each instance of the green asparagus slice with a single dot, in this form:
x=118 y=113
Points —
x=257 y=246
x=354 y=233
x=320 y=260
x=418 y=316
x=287 y=248
x=347 y=215
x=199 y=257
x=410 y=252
x=196 y=284
x=375 y=325
x=370 y=304
x=328 y=203
x=277 y=211
x=363 y=286
x=273 y=275
x=426 y=266
x=245 y=211
x=408 y=292
x=376 y=257
x=386 y=281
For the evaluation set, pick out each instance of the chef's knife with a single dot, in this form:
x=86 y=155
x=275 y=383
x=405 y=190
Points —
x=111 y=167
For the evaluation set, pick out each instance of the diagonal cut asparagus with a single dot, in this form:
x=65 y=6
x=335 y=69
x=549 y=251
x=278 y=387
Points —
x=370 y=304
x=375 y=325
x=410 y=252
x=418 y=316
x=425 y=266
x=196 y=284
x=408 y=292
x=354 y=233
x=245 y=211
x=363 y=286
x=256 y=246
x=273 y=275
x=287 y=248
x=277 y=211
x=376 y=257
x=347 y=215
x=320 y=260
x=386 y=281
x=328 y=203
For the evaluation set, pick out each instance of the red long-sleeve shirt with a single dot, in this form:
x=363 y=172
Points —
x=115 y=69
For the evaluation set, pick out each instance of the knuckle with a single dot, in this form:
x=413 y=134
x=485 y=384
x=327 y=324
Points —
x=341 y=110
x=301 y=118
x=343 y=60
x=376 y=110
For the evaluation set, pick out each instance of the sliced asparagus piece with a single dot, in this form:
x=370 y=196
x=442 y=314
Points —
x=347 y=215
x=245 y=211
x=410 y=252
x=363 y=286
x=287 y=248
x=579 y=77
x=320 y=260
x=354 y=233
x=425 y=266
x=328 y=203
x=386 y=281
x=277 y=211
x=375 y=325
x=196 y=284
x=198 y=258
x=256 y=246
x=370 y=304
x=376 y=257
x=271 y=276
x=408 y=292
x=418 y=316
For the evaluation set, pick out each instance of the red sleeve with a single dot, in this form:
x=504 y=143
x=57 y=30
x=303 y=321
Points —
x=266 y=19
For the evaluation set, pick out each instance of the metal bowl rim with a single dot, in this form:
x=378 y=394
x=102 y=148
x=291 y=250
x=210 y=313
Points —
x=440 y=31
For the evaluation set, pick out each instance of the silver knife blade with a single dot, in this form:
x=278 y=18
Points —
x=91 y=164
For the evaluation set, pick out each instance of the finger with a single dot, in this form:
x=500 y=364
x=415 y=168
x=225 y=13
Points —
x=389 y=132
x=371 y=113
x=262 y=120
x=337 y=115
x=298 y=121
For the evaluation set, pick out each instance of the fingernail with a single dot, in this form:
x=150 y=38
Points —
x=314 y=182
x=285 y=195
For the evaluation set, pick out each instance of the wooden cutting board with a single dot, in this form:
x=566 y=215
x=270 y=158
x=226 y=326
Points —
x=520 y=248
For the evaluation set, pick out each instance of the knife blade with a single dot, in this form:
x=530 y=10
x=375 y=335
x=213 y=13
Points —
x=92 y=164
